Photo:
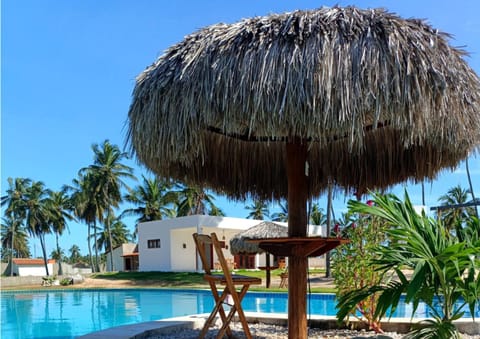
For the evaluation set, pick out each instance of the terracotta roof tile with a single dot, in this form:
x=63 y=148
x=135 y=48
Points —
x=29 y=261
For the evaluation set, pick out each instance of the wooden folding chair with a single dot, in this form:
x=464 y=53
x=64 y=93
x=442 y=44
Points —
x=230 y=281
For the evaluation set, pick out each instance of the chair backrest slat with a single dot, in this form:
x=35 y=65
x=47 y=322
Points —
x=219 y=252
x=221 y=258
x=201 y=241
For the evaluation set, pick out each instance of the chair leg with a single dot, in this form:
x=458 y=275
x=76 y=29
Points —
x=236 y=307
x=219 y=299
x=240 y=312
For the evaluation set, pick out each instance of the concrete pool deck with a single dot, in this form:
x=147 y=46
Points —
x=168 y=326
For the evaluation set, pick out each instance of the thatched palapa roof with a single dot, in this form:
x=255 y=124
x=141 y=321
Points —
x=266 y=229
x=377 y=98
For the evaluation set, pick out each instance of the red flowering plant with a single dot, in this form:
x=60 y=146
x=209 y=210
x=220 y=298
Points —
x=351 y=263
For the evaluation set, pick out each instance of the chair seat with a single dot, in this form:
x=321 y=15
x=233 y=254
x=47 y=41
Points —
x=238 y=279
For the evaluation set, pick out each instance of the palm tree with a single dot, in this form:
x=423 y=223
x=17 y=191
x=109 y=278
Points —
x=86 y=207
x=317 y=216
x=216 y=211
x=16 y=208
x=259 y=210
x=454 y=217
x=38 y=215
x=59 y=205
x=14 y=239
x=74 y=253
x=119 y=235
x=152 y=200
x=281 y=216
x=107 y=172
x=59 y=255
x=194 y=200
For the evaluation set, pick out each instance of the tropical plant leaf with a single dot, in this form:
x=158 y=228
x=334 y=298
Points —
x=433 y=329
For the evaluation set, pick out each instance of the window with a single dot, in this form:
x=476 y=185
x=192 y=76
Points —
x=154 y=243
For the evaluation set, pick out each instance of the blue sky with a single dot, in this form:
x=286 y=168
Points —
x=69 y=68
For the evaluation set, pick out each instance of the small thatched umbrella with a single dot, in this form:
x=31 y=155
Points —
x=265 y=229
x=239 y=244
x=278 y=106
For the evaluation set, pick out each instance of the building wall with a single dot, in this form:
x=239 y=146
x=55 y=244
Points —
x=4 y=268
x=25 y=270
x=118 y=252
x=117 y=259
x=182 y=250
x=155 y=259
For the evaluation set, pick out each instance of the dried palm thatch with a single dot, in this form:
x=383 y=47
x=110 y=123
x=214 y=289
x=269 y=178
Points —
x=377 y=98
x=266 y=229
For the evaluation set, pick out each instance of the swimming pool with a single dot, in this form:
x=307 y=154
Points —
x=71 y=313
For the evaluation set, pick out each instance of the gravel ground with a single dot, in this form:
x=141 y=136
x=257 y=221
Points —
x=279 y=332
x=276 y=332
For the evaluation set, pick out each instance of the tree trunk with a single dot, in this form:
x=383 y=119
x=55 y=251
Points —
x=107 y=223
x=95 y=246
x=90 y=247
x=12 y=248
x=423 y=193
x=44 y=252
x=267 y=265
x=329 y=226
x=471 y=185
x=60 y=270
x=297 y=227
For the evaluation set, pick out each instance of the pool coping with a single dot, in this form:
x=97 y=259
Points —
x=166 y=326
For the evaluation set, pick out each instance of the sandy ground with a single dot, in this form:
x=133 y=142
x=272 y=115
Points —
x=315 y=281
x=111 y=283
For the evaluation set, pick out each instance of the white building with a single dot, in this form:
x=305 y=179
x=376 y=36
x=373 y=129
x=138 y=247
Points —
x=125 y=258
x=167 y=245
x=31 y=267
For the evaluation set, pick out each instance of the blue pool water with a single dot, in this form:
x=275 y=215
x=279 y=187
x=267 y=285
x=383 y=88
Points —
x=70 y=313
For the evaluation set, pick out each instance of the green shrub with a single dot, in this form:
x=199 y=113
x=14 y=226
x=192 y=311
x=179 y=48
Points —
x=442 y=266
x=66 y=281
x=352 y=265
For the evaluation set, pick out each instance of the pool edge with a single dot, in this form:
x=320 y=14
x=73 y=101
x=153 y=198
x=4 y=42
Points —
x=166 y=326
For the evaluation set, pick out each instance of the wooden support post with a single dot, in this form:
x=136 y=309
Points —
x=297 y=227
x=267 y=264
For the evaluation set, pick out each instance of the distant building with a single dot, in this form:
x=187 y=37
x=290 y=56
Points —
x=125 y=258
x=421 y=209
x=167 y=245
x=31 y=267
